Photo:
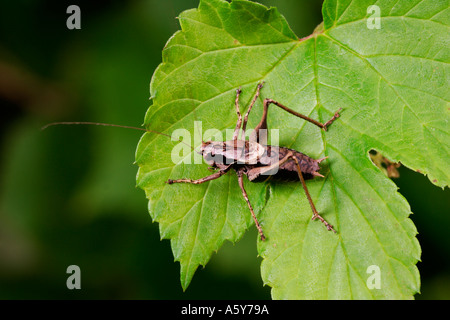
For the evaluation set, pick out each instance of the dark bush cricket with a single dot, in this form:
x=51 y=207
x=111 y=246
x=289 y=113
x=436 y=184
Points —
x=253 y=158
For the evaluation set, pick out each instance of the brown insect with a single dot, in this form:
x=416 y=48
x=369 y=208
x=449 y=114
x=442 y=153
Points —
x=252 y=158
x=259 y=161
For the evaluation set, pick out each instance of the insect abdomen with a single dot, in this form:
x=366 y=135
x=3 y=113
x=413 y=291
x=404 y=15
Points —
x=308 y=165
x=288 y=170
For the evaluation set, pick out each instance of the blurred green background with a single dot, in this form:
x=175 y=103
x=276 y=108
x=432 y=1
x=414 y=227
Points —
x=68 y=195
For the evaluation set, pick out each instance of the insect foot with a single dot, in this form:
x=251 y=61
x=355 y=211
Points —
x=329 y=226
x=336 y=115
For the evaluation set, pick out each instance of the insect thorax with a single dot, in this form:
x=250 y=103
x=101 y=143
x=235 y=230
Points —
x=232 y=152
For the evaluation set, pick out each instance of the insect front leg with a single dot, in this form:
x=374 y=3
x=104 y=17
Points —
x=244 y=124
x=239 y=122
x=213 y=176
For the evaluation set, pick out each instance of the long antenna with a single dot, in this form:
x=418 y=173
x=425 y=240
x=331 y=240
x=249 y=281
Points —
x=96 y=124
x=110 y=125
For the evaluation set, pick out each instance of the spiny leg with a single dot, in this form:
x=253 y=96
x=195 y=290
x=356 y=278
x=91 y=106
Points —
x=244 y=124
x=316 y=215
x=267 y=102
x=244 y=193
x=213 y=176
x=253 y=173
x=238 y=124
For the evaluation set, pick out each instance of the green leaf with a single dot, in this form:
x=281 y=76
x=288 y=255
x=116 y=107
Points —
x=392 y=85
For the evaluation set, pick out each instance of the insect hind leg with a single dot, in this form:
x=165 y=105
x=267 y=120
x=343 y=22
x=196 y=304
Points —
x=323 y=126
x=316 y=214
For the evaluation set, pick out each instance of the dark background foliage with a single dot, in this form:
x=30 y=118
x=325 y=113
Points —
x=68 y=195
